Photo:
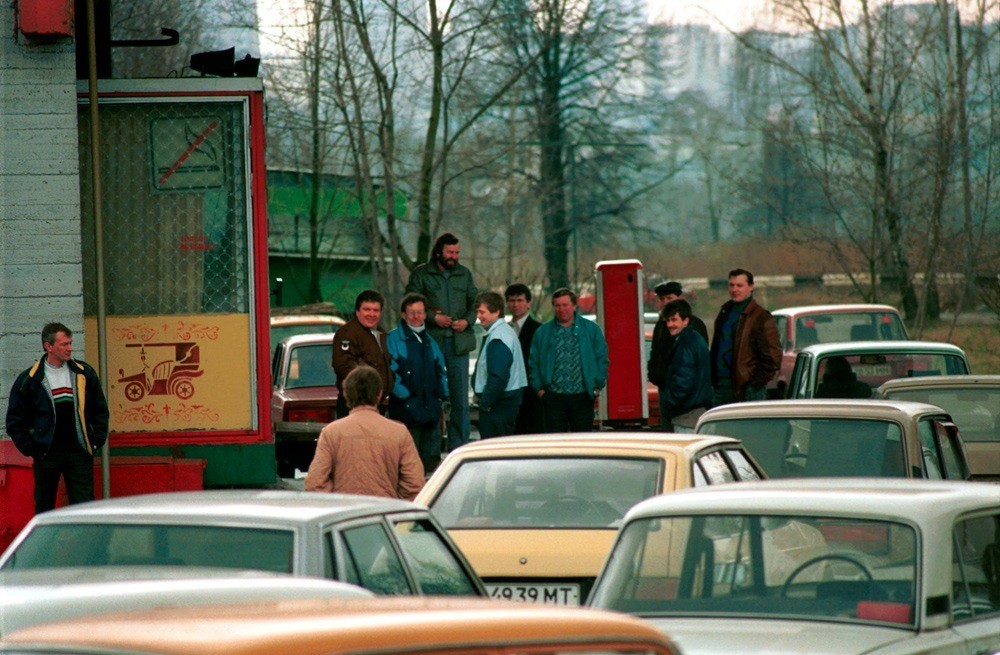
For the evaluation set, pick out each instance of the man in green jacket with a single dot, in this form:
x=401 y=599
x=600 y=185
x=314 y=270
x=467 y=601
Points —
x=568 y=366
x=451 y=314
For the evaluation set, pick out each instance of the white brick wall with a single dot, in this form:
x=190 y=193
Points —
x=41 y=277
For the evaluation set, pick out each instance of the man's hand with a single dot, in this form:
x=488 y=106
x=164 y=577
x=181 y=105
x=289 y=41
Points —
x=459 y=325
x=540 y=392
x=443 y=320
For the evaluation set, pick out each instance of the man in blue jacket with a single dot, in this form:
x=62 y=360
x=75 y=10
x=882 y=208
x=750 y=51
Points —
x=568 y=366
x=500 y=377
x=421 y=385
x=58 y=416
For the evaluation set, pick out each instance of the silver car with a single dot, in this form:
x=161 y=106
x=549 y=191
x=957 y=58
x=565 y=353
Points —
x=388 y=546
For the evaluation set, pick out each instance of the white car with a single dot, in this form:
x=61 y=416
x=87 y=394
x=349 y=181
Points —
x=846 y=565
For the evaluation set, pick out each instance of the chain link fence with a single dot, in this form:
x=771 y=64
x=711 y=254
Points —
x=175 y=210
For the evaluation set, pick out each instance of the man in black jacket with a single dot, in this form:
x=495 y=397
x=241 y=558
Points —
x=518 y=297
x=662 y=346
x=58 y=416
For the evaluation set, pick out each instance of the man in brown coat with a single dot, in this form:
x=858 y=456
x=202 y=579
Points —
x=360 y=342
x=364 y=452
x=746 y=348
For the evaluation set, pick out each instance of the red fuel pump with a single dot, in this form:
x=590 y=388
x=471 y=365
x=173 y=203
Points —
x=619 y=313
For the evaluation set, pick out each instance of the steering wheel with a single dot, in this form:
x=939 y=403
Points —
x=571 y=505
x=833 y=557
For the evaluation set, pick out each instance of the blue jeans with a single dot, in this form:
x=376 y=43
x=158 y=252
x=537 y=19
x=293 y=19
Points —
x=458 y=394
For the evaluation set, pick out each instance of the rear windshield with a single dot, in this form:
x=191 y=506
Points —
x=79 y=544
x=976 y=411
x=545 y=492
x=309 y=366
x=860 y=326
x=837 y=374
x=812 y=448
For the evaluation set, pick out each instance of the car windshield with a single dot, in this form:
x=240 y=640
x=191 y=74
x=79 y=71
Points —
x=837 y=374
x=790 y=567
x=976 y=411
x=309 y=366
x=794 y=447
x=545 y=492
x=87 y=544
x=858 y=326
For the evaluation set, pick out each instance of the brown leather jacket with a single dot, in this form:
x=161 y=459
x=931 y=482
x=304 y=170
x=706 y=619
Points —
x=756 y=347
x=354 y=345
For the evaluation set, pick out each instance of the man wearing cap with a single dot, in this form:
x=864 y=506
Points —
x=662 y=347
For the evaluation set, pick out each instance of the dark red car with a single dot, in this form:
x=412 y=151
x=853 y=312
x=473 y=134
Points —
x=304 y=398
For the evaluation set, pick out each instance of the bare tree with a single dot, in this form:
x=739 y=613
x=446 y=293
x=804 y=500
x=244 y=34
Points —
x=861 y=119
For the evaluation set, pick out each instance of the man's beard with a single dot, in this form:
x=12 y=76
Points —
x=447 y=263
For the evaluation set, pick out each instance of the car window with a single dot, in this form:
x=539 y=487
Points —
x=155 y=545
x=789 y=567
x=782 y=323
x=976 y=411
x=951 y=455
x=545 y=492
x=854 y=326
x=874 y=369
x=976 y=568
x=309 y=366
x=744 y=469
x=715 y=468
x=798 y=383
x=370 y=561
x=789 y=447
x=929 y=454
x=432 y=563
x=279 y=354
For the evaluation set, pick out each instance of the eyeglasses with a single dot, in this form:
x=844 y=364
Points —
x=416 y=312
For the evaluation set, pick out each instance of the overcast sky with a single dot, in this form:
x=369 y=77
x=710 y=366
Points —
x=736 y=14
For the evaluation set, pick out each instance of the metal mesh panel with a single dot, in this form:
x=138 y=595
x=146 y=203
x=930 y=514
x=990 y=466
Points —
x=174 y=208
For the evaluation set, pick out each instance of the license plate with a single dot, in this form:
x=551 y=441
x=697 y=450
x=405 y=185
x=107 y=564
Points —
x=548 y=594
x=872 y=370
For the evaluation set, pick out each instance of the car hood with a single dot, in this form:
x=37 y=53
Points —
x=710 y=636
x=310 y=395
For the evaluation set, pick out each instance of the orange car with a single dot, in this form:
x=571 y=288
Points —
x=335 y=627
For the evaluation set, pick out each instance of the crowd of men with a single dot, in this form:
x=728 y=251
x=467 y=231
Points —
x=529 y=377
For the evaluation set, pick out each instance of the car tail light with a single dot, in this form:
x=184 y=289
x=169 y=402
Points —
x=309 y=415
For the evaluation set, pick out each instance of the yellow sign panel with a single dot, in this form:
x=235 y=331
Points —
x=168 y=373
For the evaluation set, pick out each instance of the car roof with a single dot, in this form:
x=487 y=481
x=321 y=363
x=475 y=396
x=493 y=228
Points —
x=319 y=338
x=273 y=506
x=43 y=595
x=618 y=444
x=821 y=407
x=307 y=319
x=854 y=347
x=920 y=501
x=325 y=627
x=846 y=308
x=937 y=381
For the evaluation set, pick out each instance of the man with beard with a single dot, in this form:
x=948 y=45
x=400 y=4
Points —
x=451 y=313
x=360 y=342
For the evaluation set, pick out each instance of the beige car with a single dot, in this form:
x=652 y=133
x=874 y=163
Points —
x=973 y=401
x=293 y=324
x=535 y=516
x=342 y=627
x=844 y=438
